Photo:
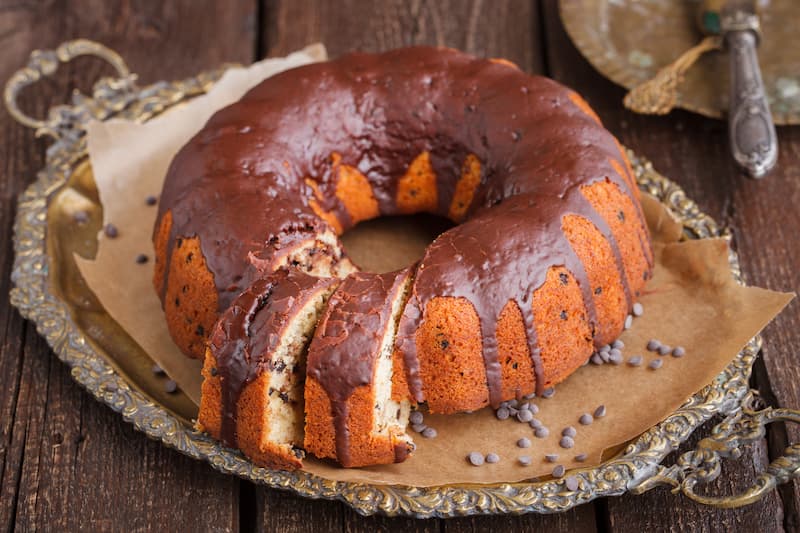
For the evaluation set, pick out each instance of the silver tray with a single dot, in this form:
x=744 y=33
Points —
x=104 y=360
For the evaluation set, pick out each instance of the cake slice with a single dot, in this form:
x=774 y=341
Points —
x=351 y=415
x=252 y=393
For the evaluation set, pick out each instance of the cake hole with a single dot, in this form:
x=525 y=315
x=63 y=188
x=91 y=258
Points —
x=386 y=244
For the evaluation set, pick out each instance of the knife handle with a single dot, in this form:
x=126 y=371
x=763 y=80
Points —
x=752 y=132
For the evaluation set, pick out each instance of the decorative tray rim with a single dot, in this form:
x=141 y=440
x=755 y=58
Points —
x=636 y=469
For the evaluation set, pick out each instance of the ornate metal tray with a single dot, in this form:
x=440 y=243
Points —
x=629 y=41
x=49 y=291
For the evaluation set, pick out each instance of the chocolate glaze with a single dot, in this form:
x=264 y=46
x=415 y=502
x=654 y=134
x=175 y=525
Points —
x=347 y=343
x=245 y=338
x=239 y=184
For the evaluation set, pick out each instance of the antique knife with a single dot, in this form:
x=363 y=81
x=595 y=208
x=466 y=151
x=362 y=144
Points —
x=752 y=133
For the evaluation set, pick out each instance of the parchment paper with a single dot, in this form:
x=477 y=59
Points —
x=692 y=301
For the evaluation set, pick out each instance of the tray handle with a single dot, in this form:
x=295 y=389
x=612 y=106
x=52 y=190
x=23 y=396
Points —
x=43 y=63
x=703 y=465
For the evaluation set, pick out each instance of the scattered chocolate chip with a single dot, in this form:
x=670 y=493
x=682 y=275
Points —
x=615 y=358
x=512 y=411
x=530 y=396
x=525 y=406
x=170 y=386
x=597 y=360
x=524 y=460
x=569 y=431
x=678 y=351
x=157 y=369
x=652 y=345
x=638 y=309
x=605 y=348
x=513 y=403
x=635 y=360
x=618 y=344
x=551 y=457
x=476 y=458
x=524 y=442
x=628 y=321
x=151 y=200
x=586 y=419
x=572 y=483
x=559 y=471
x=502 y=413
x=614 y=351
x=541 y=432
x=664 y=349
x=111 y=231
x=419 y=428
x=549 y=392
x=492 y=458
x=533 y=408
x=141 y=259
x=429 y=433
x=566 y=442
x=524 y=416
x=600 y=412
x=535 y=423
x=655 y=364
x=415 y=417
x=81 y=217
x=581 y=457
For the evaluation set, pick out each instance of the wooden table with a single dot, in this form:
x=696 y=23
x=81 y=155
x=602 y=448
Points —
x=68 y=462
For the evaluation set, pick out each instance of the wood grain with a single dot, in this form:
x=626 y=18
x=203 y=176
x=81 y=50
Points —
x=68 y=462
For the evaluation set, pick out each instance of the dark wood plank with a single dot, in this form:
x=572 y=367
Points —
x=508 y=29
x=66 y=461
x=692 y=150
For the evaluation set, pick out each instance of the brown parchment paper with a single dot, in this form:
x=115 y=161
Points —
x=692 y=301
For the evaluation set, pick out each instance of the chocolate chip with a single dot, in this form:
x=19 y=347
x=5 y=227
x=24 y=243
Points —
x=524 y=460
x=111 y=231
x=524 y=416
x=564 y=278
x=664 y=349
x=638 y=309
x=157 y=369
x=415 y=417
x=581 y=457
x=541 y=432
x=200 y=330
x=151 y=200
x=652 y=345
x=525 y=406
x=513 y=403
x=586 y=419
x=524 y=442
x=566 y=442
x=512 y=411
x=655 y=364
x=502 y=413
x=614 y=351
x=533 y=408
x=81 y=217
x=214 y=371
x=621 y=215
x=429 y=433
x=597 y=360
x=141 y=259
x=571 y=483
x=559 y=471
x=551 y=457
x=618 y=344
x=678 y=351
x=492 y=458
x=535 y=423
x=476 y=458
x=419 y=428
x=563 y=315
x=444 y=344
x=530 y=396
x=628 y=321
x=598 y=290
x=569 y=431
x=549 y=392
x=635 y=360
x=170 y=386
x=600 y=412
x=615 y=358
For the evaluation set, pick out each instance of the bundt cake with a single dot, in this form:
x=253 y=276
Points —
x=254 y=368
x=549 y=250
x=350 y=413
